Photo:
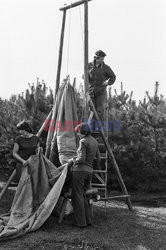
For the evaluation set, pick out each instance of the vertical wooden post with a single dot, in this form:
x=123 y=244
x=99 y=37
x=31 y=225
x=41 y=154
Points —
x=86 y=79
x=50 y=133
x=60 y=52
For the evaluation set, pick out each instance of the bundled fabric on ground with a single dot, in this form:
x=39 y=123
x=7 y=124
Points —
x=36 y=196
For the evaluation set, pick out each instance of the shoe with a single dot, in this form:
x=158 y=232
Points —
x=75 y=225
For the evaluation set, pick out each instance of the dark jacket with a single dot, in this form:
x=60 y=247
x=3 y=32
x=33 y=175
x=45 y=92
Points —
x=98 y=75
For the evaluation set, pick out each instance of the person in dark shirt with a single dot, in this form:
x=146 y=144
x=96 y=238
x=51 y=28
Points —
x=25 y=145
x=82 y=175
x=100 y=76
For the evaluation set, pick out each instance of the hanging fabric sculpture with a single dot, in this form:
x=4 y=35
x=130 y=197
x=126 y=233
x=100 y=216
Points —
x=61 y=134
x=37 y=194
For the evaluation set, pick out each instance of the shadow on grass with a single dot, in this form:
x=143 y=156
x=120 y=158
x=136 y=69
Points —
x=142 y=229
x=150 y=200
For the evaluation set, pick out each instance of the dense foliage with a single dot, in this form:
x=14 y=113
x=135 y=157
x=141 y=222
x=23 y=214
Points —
x=33 y=106
x=139 y=146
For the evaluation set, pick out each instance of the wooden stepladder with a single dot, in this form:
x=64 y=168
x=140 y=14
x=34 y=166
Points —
x=100 y=174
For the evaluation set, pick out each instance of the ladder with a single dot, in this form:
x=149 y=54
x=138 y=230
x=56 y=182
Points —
x=100 y=174
x=100 y=170
x=99 y=180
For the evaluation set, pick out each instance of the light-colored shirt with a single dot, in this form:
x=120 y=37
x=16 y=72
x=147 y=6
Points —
x=87 y=151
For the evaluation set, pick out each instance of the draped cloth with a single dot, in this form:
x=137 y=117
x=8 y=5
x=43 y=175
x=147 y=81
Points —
x=37 y=194
x=61 y=136
x=41 y=182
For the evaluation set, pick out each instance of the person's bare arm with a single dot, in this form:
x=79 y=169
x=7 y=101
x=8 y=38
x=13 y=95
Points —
x=16 y=156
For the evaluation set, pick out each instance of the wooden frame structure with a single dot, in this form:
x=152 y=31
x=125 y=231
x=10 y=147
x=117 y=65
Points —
x=86 y=79
x=86 y=86
x=88 y=99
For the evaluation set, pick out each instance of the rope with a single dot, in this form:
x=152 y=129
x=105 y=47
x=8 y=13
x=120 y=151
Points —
x=82 y=39
x=81 y=27
x=67 y=66
x=68 y=48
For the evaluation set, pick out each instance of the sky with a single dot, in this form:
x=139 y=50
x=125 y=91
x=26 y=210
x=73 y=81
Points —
x=131 y=32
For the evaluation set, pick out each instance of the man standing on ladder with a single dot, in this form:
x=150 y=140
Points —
x=100 y=76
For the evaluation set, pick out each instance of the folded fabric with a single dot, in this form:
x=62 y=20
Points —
x=35 y=198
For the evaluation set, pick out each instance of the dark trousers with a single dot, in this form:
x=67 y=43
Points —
x=99 y=98
x=19 y=167
x=80 y=184
x=68 y=181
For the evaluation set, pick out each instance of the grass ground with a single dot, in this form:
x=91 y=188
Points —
x=119 y=229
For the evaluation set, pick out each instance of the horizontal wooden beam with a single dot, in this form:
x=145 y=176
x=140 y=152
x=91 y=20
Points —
x=114 y=197
x=72 y=5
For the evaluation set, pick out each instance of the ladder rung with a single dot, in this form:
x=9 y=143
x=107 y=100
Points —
x=103 y=154
x=99 y=171
x=114 y=197
x=101 y=144
x=102 y=158
x=101 y=188
x=98 y=185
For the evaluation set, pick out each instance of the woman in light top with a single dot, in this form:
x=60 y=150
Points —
x=82 y=175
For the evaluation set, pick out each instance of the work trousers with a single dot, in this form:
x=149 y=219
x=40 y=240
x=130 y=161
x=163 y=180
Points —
x=80 y=184
x=99 y=98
